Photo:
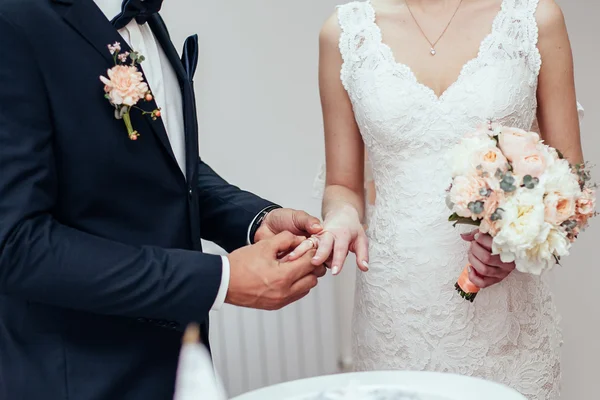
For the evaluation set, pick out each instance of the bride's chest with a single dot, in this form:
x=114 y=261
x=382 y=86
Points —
x=392 y=107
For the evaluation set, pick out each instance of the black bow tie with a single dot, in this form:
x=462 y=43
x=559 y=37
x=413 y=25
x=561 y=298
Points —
x=141 y=10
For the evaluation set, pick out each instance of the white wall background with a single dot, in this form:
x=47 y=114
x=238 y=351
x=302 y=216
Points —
x=260 y=126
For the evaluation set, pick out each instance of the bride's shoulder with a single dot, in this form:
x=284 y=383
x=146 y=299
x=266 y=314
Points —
x=549 y=17
x=331 y=31
x=342 y=18
x=553 y=39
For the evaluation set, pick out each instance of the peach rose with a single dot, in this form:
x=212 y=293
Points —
x=533 y=164
x=492 y=203
x=558 y=209
x=515 y=142
x=125 y=85
x=586 y=203
x=465 y=190
x=490 y=160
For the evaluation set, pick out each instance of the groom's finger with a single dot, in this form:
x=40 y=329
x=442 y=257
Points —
x=283 y=242
x=320 y=271
x=305 y=222
x=300 y=268
x=304 y=285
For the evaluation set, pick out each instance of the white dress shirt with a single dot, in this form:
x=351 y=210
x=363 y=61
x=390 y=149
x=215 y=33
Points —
x=164 y=85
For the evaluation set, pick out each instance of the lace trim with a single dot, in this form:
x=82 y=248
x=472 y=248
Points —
x=345 y=13
x=467 y=69
x=533 y=30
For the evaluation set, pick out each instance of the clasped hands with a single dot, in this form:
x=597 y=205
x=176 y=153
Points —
x=262 y=276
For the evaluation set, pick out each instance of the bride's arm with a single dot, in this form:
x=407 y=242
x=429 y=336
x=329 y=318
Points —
x=344 y=149
x=557 y=104
x=343 y=201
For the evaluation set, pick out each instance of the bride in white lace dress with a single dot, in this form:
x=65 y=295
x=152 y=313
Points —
x=399 y=99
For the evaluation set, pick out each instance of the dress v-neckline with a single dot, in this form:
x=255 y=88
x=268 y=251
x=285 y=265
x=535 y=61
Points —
x=466 y=68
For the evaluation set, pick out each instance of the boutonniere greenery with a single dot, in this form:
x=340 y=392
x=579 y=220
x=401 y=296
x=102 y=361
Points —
x=125 y=88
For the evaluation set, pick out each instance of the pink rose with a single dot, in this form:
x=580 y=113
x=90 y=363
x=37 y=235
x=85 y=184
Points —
x=125 y=85
x=533 y=164
x=586 y=203
x=558 y=209
x=465 y=190
x=516 y=142
x=490 y=160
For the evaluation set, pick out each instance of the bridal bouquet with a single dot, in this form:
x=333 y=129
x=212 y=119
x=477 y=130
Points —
x=521 y=192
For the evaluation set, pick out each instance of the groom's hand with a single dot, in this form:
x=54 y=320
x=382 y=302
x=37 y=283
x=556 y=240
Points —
x=259 y=279
x=280 y=220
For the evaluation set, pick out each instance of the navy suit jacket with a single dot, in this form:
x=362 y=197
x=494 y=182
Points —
x=100 y=257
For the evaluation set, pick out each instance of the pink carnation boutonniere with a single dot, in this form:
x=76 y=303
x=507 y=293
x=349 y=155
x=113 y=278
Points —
x=124 y=87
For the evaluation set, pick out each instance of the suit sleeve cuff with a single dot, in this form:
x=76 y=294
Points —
x=272 y=207
x=222 y=293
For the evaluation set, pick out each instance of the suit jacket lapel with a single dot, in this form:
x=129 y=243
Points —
x=89 y=21
x=186 y=83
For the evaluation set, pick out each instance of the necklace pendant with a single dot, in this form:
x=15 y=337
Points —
x=432 y=51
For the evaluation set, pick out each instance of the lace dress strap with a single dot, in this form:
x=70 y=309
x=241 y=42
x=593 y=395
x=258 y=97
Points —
x=521 y=25
x=519 y=33
x=356 y=20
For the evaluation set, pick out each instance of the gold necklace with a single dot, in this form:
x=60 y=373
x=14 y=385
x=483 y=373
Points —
x=432 y=51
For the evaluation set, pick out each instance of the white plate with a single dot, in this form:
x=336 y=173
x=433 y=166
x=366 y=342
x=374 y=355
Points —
x=426 y=385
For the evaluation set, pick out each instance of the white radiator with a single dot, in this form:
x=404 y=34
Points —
x=253 y=349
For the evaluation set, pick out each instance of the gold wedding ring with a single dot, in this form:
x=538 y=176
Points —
x=313 y=242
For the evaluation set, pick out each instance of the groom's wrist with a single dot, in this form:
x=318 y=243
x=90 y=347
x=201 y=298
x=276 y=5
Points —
x=257 y=222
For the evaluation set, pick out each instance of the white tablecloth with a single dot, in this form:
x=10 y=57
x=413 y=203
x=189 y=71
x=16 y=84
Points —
x=426 y=385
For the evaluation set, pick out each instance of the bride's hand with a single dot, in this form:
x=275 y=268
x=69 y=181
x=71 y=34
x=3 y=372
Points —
x=486 y=268
x=342 y=232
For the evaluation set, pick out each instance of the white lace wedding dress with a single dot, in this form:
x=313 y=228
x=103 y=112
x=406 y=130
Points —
x=407 y=313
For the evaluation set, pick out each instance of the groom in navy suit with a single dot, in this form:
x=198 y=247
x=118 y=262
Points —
x=102 y=211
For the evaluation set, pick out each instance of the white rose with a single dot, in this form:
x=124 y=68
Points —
x=549 y=153
x=461 y=155
x=559 y=178
x=522 y=225
x=540 y=258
